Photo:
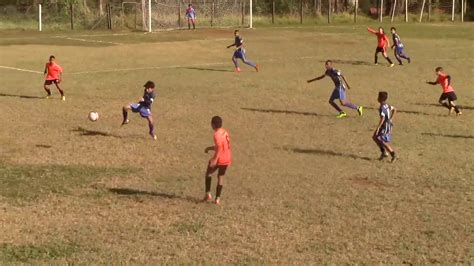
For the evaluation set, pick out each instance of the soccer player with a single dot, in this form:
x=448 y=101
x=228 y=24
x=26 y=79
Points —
x=383 y=134
x=448 y=92
x=53 y=74
x=143 y=107
x=240 y=52
x=339 y=91
x=220 y=161
x=397 y=43
x=382 y=44
x=191 y=16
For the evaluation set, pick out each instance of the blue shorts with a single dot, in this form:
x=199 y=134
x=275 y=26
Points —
x=384 y=137
x=399 y=50
x=138 y=108
x=338 y=93
x=190 y=16
x=240 y=53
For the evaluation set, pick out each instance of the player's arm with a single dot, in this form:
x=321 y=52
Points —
x=449 y=80
x=213 y=161
x=317 y=78
x=345 y=81
x=234 y=44
x=388 y=41
x=379 y=126
x=432 y=82
x=394 y=111
x=371 y=30
x=210 y=148
x=46 y=69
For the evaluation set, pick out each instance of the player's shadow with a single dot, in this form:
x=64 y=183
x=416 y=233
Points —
x=407 y=112
x=43 y=146
x=20 y=96
x=136 y=192
x=280 y=111
x=208 y=69
x=439 y=105
x=448 y=135
x=330 y=153
x=349 y=62
x=86 y=132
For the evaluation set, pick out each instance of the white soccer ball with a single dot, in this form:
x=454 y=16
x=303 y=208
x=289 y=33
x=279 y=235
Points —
x=93 y=116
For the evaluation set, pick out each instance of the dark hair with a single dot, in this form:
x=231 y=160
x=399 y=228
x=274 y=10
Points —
x=439 y=69
x=149 y=84
x=216 y=122
x=383 y=96
x=190 y=5
x=235 y=31
x=393 y=28
x=328 y=62
x=52 y=57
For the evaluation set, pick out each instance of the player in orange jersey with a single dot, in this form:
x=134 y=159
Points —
x=220 y=161
x=53 y=74
x=448 y=92
x=382 y=44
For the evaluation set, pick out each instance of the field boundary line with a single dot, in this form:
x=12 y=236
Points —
x=21 y=69
x=93 y=41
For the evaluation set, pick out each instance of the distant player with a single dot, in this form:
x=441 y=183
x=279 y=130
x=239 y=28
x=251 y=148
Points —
x=143 y=107
x=339 y=91
x=383 y=134
x=220 y=161
x=53 y=74
x=191 y=16
x=240 y=53
x=448 y=92
x=398 y=45
x=382 y=44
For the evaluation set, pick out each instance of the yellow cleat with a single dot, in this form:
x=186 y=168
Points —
x=341 y=115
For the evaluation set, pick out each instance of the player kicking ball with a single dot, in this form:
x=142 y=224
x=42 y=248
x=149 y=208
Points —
x=220 y=161
x=53 y=74
x=239 y=53
x=448 y=92
x=339 y=91
x=382 y=44
x=143 y=107
x=383 y=134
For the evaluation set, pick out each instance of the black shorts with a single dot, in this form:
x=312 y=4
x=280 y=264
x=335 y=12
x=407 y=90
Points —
x=451 y=96
x=380 y=50
x=222 y=169
x=49 y=82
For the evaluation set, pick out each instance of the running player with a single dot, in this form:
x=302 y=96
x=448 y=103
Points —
x=53 y=74
x=220 y=161
x=448 y=92
x=397 y=43
x=240 y=53
x=383 y=134
x=382 y=44
x=191 y=16
x=339 y=91
x=143 y=107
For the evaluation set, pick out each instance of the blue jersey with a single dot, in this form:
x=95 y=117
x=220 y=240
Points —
x=396 y=40
x=148 y=98
x=336 y=77
x=238 y=41
x=386 y=114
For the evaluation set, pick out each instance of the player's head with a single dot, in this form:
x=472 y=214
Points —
x=439 y=70
x=52 y=58
x=381 y=30
x=236 y=32
x=190 y=5
x=216 y=122
x=149 y=85
x=383 y=96
x=393 y=30
x=328 y=64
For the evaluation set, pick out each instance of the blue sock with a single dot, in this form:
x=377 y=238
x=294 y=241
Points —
x=350 y=105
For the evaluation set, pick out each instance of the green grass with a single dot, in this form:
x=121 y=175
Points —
x=27 y=253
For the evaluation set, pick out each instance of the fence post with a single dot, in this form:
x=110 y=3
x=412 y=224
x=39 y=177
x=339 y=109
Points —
x=429 y=10
x=212 y=12
x=462 y=10
x=136 y=15
x=329 y=11
x=273 y=11
x=243 y=11
x=301 y=11
x=422 y=8
x=40 y=26
x=381 y=11
x=452 y=12
x=393 y=10
x=406 y=10
x=356 y=7
x=71 y=9
x=149 y=15
x=251 y=14
x=179 y=13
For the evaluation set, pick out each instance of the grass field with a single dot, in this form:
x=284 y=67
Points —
x=304 y=188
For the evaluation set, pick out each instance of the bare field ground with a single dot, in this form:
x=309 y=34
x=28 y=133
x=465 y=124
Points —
x=304 y=188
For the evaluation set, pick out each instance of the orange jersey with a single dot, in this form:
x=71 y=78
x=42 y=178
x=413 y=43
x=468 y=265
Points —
x=443 y=80
x=382 y=39
x=222 y=146
x=53 y=71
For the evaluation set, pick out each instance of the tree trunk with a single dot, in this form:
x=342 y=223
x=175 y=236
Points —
x=101 y=7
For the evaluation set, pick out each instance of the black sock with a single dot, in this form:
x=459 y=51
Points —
x=218 y=191
x=208 y=184
x=125 y=115
x=382 y=149
x=446 y=105
x=392 y=153
x=376 y=58
x=457 y=109
x=388 y=59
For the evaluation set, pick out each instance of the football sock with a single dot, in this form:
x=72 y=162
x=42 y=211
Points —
x=382 y=149
x=350 y=105
x=456 y=109
x=446 y=105
x=152 y=129
x=125 y=115
x=336 y=106
x=388 y=59
x=249 y=63
x=48 y=91
x=218 y=191
x=392 y=153
x=208 y=184
x=376 y=58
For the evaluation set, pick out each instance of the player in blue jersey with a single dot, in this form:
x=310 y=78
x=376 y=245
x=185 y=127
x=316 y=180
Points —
x=398 y=45
x=383 y=134
x=339 y=91
x=191 y=16
x=143 y=107
x=239 y=53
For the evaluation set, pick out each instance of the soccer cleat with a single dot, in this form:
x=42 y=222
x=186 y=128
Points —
x=392 y=64
x=400 y=64
x=394 y=158
x=459 y=114
x=360 y=110
x=341 y=115
x=237 y=69
x=207 y=197
x=383 y=156
x=154 y=136
x=409 y=60
x=63 y=98
x=376 y=64
x=257 y=67
x=126 y=121
x=48 y=96
x=217 y=201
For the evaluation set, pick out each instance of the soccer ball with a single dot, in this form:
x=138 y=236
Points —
x=93 y=116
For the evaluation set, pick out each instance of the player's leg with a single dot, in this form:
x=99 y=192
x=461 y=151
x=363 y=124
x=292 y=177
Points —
x=151 y=126
x=452 y=102
x=45 y=87
x=125 y=110
x=220 y=182
x=396 y=52
x=335 y=96
x=234 y=60
x=376 y=57
x=56 y=83
x=383 y=153
x=402 y=54
x=194 y=23
x=189 y=23
x=389 y=148
x=208 y=181
x=247 y=62
x=384 y=53
x=442 y=100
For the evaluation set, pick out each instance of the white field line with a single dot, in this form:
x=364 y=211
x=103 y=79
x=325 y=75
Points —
x=21 y=69
x=93 y=41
